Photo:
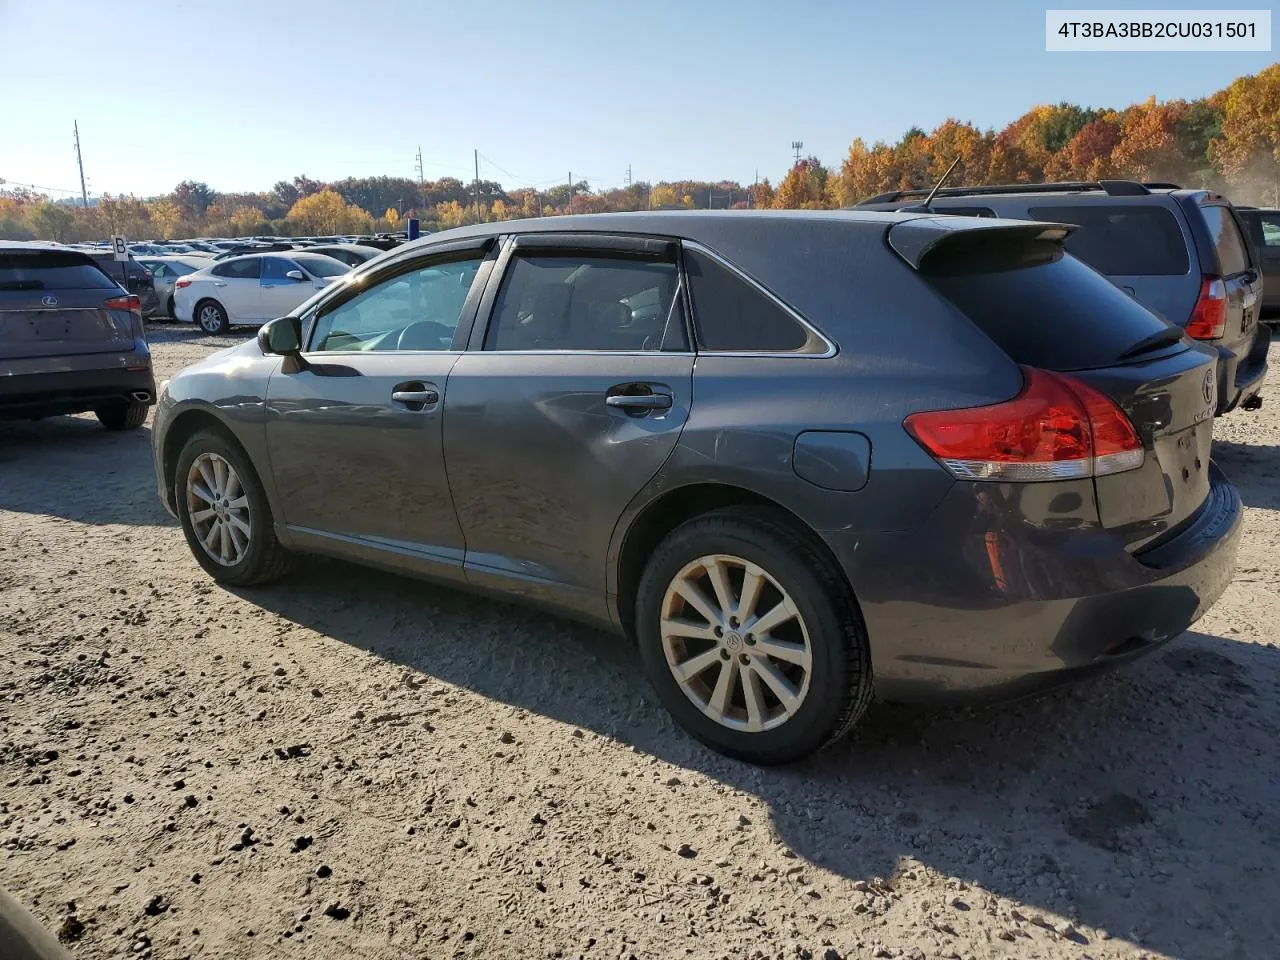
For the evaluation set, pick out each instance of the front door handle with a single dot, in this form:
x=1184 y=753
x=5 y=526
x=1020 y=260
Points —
x=415 y=396
x=644 y=401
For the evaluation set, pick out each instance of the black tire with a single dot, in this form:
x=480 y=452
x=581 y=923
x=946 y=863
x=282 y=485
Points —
x=122 y=416
x=840 y=682
x=265 y=559
x=216 y=322
x=170 y=310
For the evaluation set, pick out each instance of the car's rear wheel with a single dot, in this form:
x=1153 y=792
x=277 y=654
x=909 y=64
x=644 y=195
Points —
x=122 y=416
x=224 y=512
x=212 y=317
x=170 y=310
x=751 y=636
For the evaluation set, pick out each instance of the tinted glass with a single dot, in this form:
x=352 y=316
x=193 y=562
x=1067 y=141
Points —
x=583 y=303
x=1270 y=229
x=275 y=268
x=1228 y=243
x=1041 y=307
x=245 y=269
x=729 y=314
x=417 y=310
x=51 y=270
x=319 y=266
x=1123 y=241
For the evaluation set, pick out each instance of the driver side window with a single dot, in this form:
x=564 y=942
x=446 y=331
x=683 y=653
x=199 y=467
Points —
x=414 y=310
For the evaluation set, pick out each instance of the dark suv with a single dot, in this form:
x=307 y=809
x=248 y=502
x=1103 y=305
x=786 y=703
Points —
x=131 y=275
x=1263 y=227
x=71 y=340
x=1182 y=253
x=797 y=456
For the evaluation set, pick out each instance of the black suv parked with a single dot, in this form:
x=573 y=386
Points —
x=1181 y=253
x=131 y=275
x=71 y=340
x=1263 y=227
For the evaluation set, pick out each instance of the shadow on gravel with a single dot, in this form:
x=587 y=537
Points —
x=70 y=467
x=1141 y=802
x=1254 y=469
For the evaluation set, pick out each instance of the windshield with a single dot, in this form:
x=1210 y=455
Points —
x=51 y=270
x=322 y=266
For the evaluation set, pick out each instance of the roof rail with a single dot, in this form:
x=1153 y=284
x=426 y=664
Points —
x=1114 y=188
x=1161 y=185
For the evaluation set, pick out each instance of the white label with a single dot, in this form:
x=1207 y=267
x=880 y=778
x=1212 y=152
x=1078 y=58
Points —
x=118 y=249
x=1120 y=31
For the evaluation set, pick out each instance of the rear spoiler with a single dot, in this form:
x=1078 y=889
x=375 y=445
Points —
x=916 y=239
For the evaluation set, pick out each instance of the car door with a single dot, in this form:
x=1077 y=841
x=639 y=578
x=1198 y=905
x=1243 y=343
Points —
x=571 y=397
x=1265 y=227
x=355 y=436
x=235 y=286
x=280 y=292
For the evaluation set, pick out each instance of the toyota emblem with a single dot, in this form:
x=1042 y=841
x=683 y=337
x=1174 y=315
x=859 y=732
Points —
x=49 y=301
x=1208 y=386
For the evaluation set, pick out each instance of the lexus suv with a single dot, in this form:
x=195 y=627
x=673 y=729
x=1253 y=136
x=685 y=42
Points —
x=798 y=457
x=1182 y=253
x=71 y=339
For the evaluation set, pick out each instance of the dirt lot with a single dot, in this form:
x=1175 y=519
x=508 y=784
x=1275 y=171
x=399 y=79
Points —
x=356 y=765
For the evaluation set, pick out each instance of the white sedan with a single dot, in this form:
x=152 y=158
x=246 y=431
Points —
x=252 y=289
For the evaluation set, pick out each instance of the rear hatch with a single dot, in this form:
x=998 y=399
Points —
x=59 y=303
x=1049 y=311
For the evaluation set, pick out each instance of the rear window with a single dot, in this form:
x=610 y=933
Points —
x=731 y=315
x=1123 y=240
x=51 y=270
x=1232 y=257
x=1043 y=308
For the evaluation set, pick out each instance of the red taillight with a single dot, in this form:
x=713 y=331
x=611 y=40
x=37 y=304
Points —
x=1057 y=428
x=130 y=303
x=1209 y=318
x=181 y=282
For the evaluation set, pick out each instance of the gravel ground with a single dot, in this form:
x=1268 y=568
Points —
x=356 y=765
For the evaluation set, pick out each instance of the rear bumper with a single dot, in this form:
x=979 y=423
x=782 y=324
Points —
x=989 y=610
x=1240 y=375
x=46 y=387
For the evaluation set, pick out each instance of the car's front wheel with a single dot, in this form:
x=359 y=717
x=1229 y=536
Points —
x=224 y=513
x=751 y=637
x=212 y=317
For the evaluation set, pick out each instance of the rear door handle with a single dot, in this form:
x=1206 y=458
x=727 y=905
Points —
x=644 y=401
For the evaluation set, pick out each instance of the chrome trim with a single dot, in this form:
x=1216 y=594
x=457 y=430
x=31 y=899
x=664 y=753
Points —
x=831 y=350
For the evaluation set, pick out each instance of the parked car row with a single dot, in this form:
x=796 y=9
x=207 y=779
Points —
x=798 y=458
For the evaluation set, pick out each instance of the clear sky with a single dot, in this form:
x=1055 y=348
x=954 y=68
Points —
x=242 y=94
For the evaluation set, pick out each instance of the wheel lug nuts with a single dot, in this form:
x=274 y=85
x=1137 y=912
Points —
x=750 y=640
x=744 y=658
x=724 y=654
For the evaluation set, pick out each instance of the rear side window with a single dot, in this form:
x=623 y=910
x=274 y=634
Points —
x=1270 y=223
x=1041 y=307
x=577 y=302
x=733 y=316
x=246 y=269
x=1123 y=240
x=51 y=270
x=1232 y=257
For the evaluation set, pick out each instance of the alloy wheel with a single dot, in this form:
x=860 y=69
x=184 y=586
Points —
x=210 y=318
x=218 y=506
x=736 y=643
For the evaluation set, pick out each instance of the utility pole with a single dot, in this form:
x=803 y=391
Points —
x=751 y=197
x=628 y=181
x=477 y=184
x=569 y=207
x=84 y=194
x=418 y=166
x=797 y=145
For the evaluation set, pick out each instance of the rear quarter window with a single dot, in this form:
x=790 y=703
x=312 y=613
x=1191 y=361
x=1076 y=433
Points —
x=51 y=270
x=1042 y=307
x=1228 y=244
x=1123 y=240
x=732 y=316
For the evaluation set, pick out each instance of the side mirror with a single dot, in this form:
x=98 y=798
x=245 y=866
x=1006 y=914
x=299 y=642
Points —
x=283 y=337
x=296 y=275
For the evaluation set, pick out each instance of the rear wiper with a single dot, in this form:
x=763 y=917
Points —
x=21 y=284
x=1161 y=338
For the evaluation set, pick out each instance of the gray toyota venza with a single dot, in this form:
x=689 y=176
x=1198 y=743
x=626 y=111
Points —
x=798 y=458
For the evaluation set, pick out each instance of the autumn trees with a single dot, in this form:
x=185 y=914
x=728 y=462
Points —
x=1229 y=141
